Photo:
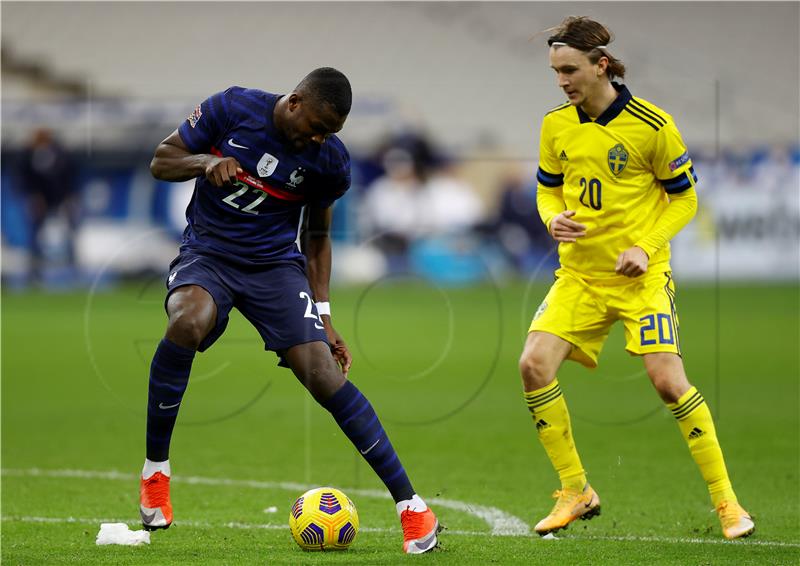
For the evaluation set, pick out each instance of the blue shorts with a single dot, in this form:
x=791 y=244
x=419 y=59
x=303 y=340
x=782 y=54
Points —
x=275 y=298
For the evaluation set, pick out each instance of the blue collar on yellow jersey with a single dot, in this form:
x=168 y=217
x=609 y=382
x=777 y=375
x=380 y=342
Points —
x=612 y=111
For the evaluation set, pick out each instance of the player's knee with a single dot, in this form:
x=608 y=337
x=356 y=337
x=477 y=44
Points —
x=668 y=377
x=322 y=382
x=669 y=391
x=536 y=369
x=668 y=386
x=187 y=328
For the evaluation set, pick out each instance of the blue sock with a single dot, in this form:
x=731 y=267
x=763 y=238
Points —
x=169 y=376
x=357 y=419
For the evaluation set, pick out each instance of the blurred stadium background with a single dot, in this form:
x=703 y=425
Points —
x=457 y=88
x=448 y=99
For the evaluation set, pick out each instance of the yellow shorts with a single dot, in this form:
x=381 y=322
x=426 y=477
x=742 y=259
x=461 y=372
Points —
x=581 y=311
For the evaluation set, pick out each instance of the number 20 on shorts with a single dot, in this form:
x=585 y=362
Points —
x=661 y=322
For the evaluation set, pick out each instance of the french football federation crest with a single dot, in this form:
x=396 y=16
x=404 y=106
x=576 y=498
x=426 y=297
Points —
x=267 y=165
x=617 y=159
x=295 y=178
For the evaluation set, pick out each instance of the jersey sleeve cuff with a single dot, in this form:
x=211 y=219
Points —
x=649 y=250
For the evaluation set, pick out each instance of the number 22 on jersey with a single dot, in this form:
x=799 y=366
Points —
x=242 y=189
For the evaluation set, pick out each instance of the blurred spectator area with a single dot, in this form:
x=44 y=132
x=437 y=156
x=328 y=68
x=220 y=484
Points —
x=472 y=77
x=467 y=70
x=131 y=223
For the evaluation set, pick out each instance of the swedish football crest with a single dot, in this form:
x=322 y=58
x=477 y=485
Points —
x=617 y=159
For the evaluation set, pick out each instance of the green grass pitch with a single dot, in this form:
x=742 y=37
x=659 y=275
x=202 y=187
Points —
x=440 y=367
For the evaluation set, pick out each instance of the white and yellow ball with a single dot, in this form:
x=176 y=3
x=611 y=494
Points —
x=323 y=518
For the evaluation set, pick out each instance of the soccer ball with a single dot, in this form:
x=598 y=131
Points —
x=323 y=518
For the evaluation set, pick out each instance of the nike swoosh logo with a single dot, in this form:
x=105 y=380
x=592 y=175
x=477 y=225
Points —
x=426 y=544
x=234 y=144
x=147 y=519
x=318 y=327
x=163 y=406
x=374 y=444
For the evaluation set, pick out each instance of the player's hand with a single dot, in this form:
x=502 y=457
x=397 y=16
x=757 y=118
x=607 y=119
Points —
x=632 y=262
x=565 y=230
x=338 y=347
x=221 y=171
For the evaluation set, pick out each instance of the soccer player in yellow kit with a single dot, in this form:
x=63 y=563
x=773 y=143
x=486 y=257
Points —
x=615 y=184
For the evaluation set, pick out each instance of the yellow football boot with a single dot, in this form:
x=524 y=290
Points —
x=736 y=522
x=570 y=505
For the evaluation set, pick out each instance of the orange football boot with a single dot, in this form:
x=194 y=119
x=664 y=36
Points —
x=154 y=505
x=419 y=531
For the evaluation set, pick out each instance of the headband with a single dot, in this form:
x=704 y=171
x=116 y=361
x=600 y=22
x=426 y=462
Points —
x=552 y=42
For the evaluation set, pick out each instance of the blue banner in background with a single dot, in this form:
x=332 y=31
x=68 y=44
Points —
x=119 y=188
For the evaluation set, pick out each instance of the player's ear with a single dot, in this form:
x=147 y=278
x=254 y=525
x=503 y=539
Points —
x=294 y=101
x=602 y=65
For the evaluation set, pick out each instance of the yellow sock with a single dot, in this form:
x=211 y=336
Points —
x=697 y=427
x=549 y=411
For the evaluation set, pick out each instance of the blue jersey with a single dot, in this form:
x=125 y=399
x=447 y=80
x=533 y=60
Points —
x=255 y=221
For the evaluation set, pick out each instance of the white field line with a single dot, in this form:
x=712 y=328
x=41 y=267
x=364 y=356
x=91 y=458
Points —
x=203 y=524
x=297 y=487
x=500 y=522
x=255 y=526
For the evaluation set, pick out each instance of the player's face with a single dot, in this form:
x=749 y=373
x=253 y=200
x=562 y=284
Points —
x=310 y=122
x=578 y=77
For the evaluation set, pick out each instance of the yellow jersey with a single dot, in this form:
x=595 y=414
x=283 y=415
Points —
x=616 y=172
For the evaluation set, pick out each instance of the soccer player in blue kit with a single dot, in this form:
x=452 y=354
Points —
x=259 y=159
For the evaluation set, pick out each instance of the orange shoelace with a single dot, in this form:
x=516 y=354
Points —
x=156 y=490
x=413 y=524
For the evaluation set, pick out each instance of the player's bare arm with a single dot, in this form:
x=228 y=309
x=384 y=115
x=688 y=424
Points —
x=317 y=248
x=174 y=162
x=565 y=230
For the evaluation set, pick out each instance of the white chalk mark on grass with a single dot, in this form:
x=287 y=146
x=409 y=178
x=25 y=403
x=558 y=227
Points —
x=271 y=527
x=200 y=524
x=499 y=522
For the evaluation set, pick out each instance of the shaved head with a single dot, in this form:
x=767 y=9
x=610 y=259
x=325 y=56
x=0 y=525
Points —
x=326 y=85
